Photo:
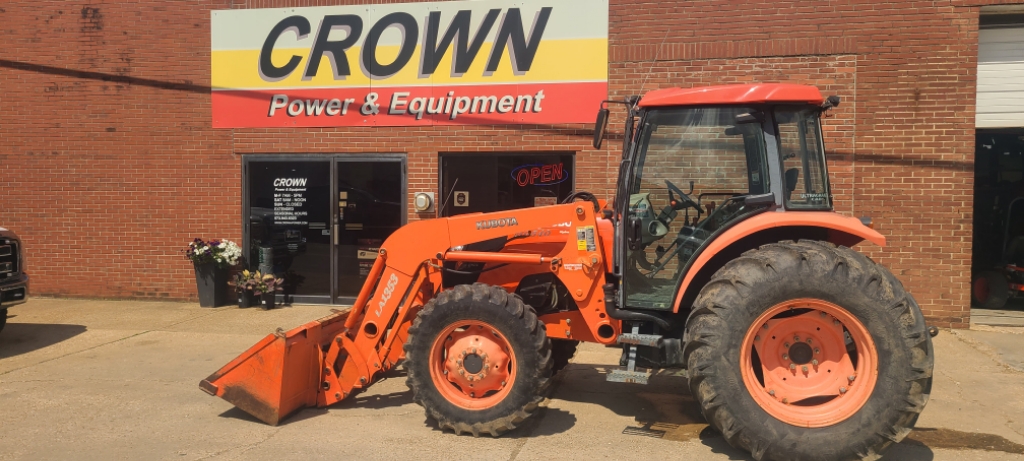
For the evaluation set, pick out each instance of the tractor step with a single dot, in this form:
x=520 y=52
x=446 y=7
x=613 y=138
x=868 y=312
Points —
x=639 y=339
x=630 y=375
x=626 y=376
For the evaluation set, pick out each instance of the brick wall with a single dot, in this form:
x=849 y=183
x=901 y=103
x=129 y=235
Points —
x=108 y=164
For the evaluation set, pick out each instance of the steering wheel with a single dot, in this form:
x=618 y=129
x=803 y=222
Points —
x=683 y=201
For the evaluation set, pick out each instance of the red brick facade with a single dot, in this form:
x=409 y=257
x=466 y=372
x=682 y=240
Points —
x=108 y=164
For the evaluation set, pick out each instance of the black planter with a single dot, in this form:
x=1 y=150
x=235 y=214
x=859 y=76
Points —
x=268 y=300
x=248 y=299
x=212 y=285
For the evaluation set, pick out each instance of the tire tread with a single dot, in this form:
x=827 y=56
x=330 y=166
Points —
x=523 y=315
x=732 y=284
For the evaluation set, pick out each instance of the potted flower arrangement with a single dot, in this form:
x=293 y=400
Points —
x=266 y=287
x=254 y=285
x=245 y=286
x=211 y=260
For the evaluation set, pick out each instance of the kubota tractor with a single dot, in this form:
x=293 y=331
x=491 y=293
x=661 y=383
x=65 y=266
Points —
x=795 y=345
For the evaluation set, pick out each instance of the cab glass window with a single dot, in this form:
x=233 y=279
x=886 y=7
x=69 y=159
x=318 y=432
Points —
x=805 y=179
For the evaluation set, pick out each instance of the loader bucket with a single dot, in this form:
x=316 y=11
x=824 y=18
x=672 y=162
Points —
x=278 y=375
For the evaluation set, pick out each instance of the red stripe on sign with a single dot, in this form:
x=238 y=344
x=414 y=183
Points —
x=535 y=103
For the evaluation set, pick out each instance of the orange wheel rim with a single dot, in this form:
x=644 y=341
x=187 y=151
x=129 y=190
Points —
x=981 y=289
x=472 y=365
x=798 y=367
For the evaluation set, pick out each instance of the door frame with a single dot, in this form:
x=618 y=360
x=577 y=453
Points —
x=333 y=160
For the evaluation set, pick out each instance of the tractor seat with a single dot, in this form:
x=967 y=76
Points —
x=792 y=175
x=1015 y=251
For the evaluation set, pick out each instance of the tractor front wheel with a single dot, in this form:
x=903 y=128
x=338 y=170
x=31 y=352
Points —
x=808 y=351
x=479 y=360
x=990 y=290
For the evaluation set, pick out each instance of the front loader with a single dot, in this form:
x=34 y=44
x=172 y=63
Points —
x=795 y=345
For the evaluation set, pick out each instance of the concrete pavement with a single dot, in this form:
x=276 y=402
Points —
x=119 y=379
x=1010 y=316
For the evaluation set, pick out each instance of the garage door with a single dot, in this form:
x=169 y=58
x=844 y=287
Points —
x=1000 y=78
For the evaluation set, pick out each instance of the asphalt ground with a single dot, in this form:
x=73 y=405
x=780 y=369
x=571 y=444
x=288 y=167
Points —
x=85 y=380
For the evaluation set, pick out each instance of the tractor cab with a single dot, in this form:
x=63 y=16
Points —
x=697 y=161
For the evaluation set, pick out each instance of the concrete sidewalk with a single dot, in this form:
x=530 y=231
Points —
x=119 y=379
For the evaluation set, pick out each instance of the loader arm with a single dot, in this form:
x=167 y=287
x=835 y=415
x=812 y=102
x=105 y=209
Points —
x=323 y=361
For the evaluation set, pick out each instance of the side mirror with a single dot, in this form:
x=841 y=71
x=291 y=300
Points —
x=599 y=127
x=830 y=102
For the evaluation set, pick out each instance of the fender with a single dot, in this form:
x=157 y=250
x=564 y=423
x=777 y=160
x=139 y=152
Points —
x=843 y=230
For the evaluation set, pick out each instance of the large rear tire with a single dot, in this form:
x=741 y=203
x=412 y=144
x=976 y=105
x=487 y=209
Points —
x=990 y=290
x=3 y=319
x=771 y=331
x=478 y=360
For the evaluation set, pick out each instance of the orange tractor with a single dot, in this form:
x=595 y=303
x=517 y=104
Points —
x=795 y=345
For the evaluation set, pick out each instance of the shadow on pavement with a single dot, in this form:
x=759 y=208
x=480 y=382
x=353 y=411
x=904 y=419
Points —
x=237 y=413
x=21 y=338
x=663 y=409
x=958 y=440
x=546 y=421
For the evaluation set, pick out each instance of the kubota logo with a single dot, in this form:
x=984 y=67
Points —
x=492 y=223
x=386 y=294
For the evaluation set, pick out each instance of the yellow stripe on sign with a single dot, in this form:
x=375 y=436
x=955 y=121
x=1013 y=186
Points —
x=556 y=60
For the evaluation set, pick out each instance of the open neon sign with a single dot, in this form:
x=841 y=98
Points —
x=540 y=174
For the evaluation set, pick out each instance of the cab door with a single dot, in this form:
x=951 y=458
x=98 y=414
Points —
x=692 y=171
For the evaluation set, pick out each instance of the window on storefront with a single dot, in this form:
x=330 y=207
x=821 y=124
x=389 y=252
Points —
x=487 y=182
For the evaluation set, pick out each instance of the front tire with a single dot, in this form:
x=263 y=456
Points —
x=771 y=331
x=478 y=360
x=990 y=290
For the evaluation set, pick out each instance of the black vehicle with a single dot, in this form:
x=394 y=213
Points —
x=13 y=279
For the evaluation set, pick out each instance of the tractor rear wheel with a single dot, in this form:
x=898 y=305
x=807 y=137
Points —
x=804 y=350
x=478 y=360
x=990 y=290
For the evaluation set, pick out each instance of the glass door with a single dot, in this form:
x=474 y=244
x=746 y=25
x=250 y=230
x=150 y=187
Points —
x=370 y=206
x=288 y=220
x=317 y=221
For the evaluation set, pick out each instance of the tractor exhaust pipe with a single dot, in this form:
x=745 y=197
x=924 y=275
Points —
x=611 y=305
